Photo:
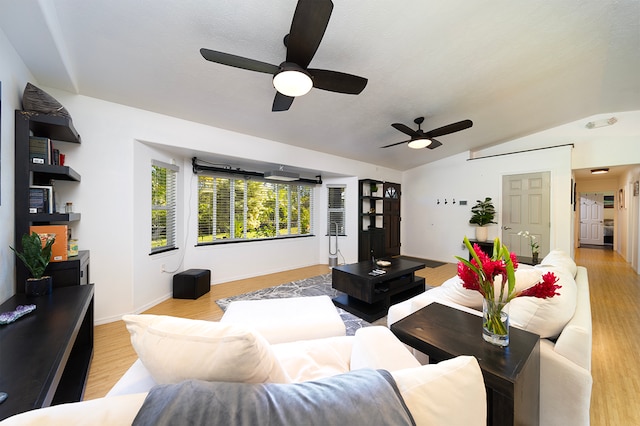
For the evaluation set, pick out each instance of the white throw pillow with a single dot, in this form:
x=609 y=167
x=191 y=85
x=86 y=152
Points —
x=546 y=317
x=175 y=349
x=451 y=392
x=452 y=290
x=560 y=259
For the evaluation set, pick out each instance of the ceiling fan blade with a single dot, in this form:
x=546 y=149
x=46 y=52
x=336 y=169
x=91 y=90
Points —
x=434 y=144
x=238 y=61
x=394 y=144
x=281 y=102
x=310 y=20
x=405 y=129
x=335 y=81
x=450 y=128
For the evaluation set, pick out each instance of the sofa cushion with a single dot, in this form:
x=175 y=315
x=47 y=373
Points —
x=451 y=392
x=314 y=359
x=117 y=410
x=175 y=349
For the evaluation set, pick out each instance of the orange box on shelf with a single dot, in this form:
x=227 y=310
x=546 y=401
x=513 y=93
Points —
x=59 y=248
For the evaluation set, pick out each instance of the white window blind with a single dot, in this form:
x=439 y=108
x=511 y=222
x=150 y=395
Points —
x=163 y=206
x=336 y=211
x=236 y=209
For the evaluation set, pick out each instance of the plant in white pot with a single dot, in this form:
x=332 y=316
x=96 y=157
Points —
x=36 y=255
x=482 y=214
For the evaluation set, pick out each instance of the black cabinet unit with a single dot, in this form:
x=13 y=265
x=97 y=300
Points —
x=47 y=353
x=58 y=129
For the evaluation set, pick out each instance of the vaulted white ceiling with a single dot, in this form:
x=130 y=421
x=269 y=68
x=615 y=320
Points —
x=514 y=67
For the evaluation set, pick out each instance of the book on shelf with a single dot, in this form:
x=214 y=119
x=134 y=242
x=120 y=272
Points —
x=41 y=199
x=38 y=202
x=39 y=150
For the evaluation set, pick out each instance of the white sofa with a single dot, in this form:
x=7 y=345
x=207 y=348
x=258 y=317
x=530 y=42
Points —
x=174 y=349
x=563 y=322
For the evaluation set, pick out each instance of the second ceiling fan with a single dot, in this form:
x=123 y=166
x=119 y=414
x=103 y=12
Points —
x=292 y=77
x=421 y=139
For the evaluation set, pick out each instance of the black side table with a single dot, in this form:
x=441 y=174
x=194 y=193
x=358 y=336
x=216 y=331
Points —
x=511 y=374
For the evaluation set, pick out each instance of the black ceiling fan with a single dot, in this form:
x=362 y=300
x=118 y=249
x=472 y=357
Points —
x=422 y=139
x=307 y=28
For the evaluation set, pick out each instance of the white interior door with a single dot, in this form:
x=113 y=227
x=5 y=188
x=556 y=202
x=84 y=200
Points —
x=591 y=218
x=526 y=207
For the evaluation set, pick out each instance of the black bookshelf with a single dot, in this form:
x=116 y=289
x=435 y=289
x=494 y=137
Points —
x=58 y=129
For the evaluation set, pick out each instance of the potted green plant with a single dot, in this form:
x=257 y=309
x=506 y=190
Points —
x=482 y=214
x=36 y=255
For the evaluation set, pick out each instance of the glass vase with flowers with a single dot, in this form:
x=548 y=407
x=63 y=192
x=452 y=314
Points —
x=494 y=277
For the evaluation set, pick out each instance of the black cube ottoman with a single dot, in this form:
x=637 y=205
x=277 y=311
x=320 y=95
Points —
x=191 y=284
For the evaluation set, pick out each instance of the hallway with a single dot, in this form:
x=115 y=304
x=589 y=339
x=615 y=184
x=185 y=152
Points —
x=615 y=311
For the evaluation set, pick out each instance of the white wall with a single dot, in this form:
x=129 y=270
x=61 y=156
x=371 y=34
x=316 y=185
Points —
x=13 y=75
x=435 y=231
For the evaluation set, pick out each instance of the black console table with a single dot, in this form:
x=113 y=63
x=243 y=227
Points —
x=45 y=355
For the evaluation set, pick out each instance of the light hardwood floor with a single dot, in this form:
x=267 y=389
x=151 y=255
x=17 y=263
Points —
x=615 y=308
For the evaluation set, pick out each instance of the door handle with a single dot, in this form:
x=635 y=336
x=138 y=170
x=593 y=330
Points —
x=505 y=228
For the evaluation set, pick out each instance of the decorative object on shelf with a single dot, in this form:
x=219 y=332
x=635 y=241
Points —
x=535 y=248
x=36 y=255
x=482 y=214
x=19 y=311
x=35 y=99
x=374 y=188
x=73 y=248
x=494 y=277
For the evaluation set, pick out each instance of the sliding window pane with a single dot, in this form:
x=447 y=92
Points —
x=205 y=209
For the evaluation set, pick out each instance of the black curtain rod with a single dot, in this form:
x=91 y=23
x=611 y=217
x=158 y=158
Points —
x=520 y=152
x=228 y=170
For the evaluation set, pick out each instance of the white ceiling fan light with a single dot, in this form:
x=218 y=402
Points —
x=420 y=143
x=292 y=80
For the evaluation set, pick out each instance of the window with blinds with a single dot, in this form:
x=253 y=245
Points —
x=336 y=211
x=237 y=209
x=163 y=206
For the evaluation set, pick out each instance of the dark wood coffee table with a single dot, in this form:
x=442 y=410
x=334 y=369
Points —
x=511 y=374
x=369 y=296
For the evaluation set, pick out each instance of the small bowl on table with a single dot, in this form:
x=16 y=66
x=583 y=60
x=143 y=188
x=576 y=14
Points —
x=383 y=263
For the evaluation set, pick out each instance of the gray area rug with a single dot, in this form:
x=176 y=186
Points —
x=315 y=286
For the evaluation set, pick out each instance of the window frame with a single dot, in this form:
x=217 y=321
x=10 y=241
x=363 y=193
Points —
x=169 y=206
x=338 y=210
x=283 y=227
